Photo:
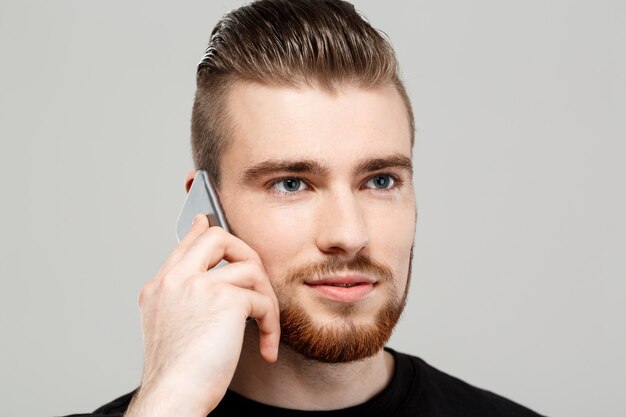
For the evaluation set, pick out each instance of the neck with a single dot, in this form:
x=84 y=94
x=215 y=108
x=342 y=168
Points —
x=300 y=383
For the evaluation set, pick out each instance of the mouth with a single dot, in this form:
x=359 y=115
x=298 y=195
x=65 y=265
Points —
x=346 y=289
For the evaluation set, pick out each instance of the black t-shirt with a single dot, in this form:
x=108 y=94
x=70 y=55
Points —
x=416 y=389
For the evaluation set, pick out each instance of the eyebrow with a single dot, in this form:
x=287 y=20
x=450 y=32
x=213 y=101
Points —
x=393 y=161
x=315 y=168
x=274 y=166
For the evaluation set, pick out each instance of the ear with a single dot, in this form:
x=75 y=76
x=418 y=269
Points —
x=189 y=179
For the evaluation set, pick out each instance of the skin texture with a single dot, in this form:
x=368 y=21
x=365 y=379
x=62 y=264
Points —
x=196 y=342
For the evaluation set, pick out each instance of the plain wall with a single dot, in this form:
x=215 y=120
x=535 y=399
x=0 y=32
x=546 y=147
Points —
x=519 y=282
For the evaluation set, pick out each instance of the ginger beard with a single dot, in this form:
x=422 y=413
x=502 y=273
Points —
x=341 y=340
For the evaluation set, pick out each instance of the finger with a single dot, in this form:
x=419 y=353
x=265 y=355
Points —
x=262 y=309
x=248 y=274
x=199 y=225
x=213 y=245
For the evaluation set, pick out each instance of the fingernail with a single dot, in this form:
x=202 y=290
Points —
x=197 y=218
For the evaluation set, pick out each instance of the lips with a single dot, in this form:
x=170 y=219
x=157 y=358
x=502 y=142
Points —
x=343 y=289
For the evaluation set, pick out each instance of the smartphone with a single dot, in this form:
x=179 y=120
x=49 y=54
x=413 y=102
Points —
x=201 y=198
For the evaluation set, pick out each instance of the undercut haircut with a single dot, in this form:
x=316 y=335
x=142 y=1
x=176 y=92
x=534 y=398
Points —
x=289 y=43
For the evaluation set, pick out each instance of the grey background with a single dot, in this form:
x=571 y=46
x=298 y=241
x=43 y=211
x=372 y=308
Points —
x=519 y=278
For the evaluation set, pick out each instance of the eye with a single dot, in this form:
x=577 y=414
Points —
x=381 y=182
x=288 y=185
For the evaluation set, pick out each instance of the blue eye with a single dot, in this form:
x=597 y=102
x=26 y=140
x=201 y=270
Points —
x=289 y=185
x=381 y=182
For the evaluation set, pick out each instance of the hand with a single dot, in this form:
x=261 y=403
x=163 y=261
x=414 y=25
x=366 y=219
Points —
x=193 y=322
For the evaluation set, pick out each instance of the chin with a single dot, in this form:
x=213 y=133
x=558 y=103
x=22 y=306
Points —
x=346 y=334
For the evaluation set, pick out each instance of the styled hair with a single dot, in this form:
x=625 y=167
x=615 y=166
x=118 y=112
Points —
x=292 y=43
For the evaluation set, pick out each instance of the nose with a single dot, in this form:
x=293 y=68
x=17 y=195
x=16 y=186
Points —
x=341 y=225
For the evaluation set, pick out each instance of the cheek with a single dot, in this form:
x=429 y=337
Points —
x=391 y=239
x=277 y=234
x=283 y=237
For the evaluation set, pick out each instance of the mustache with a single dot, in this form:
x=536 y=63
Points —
x=360 y=263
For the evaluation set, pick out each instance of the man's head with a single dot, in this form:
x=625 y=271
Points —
x=289 y=43
x=301 y=120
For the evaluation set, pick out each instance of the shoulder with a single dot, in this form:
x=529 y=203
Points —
x=443 y=394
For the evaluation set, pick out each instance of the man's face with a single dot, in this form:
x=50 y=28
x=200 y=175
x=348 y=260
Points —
x=320 y=185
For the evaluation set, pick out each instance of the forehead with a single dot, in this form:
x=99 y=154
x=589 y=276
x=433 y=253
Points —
x=338 y=128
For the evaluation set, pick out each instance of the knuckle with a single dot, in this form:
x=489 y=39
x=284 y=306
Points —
x=145 y=293
x=267 y=307
x=260 y=272
x=257 y=259
x=252 y=268
x=166 y=283
x=212 y=236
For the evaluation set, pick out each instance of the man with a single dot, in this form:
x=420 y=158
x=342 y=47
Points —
x=304 y=126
